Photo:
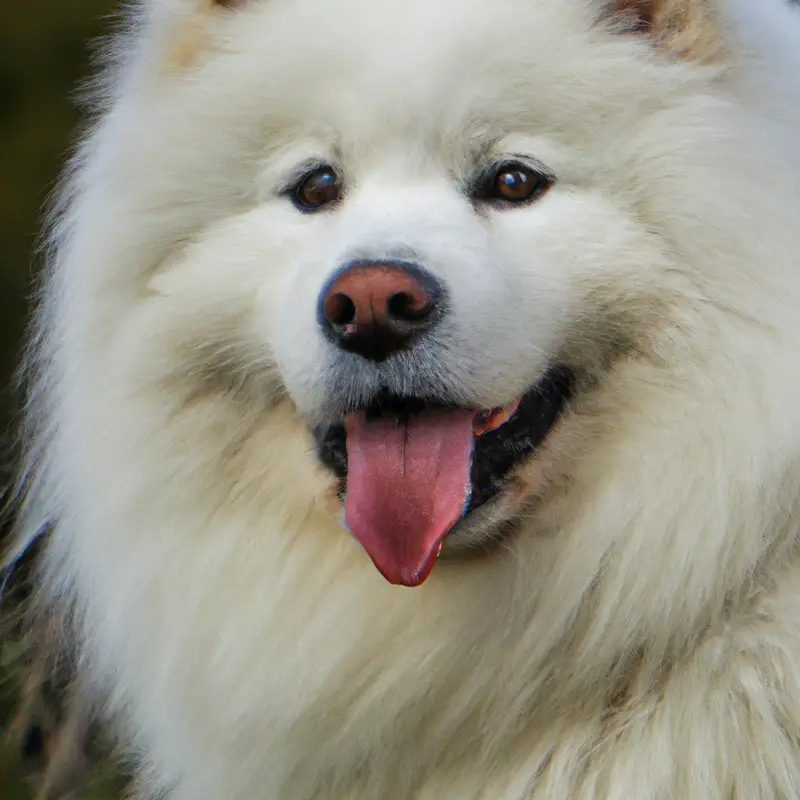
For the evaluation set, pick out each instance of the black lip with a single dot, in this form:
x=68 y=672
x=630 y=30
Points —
x=495 y=453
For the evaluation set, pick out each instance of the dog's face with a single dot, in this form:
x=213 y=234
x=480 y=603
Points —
x=437 y=237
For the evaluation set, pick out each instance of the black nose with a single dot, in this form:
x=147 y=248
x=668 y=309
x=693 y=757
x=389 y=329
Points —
x=375 y=309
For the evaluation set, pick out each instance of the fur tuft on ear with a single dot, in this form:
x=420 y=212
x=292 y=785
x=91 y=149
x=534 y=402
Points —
x=691 y=29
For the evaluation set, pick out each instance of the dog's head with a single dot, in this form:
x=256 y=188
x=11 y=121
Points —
x=496 y=278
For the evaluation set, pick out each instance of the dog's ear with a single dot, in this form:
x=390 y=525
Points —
x=690 y=29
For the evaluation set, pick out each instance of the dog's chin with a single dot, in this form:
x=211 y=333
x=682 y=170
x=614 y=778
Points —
x=436 y=466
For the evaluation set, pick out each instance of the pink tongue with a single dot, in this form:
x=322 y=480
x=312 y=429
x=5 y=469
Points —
x=406 y=487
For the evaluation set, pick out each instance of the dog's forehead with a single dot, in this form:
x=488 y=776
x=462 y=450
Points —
x=364 y=25
x=383 y=62
x=374 y=79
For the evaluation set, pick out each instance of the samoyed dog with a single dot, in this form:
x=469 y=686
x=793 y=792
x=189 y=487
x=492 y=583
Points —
x=415 y=400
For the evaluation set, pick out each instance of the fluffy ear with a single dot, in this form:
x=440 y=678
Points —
x=689 y=28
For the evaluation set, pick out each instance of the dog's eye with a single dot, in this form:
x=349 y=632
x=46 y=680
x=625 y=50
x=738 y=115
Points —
x=514 y=182
x=318 y=189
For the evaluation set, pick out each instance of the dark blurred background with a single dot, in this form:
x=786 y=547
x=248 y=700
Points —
x=45 y=51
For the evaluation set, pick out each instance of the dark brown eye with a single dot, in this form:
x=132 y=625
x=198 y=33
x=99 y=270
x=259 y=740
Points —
x=516 y=183
x=318 y=189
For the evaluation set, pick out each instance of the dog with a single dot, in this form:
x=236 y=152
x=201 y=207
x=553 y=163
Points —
x=414 y=400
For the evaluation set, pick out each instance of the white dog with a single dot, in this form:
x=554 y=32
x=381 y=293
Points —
x=495 y=298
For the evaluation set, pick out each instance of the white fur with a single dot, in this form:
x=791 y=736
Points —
x=639 y=636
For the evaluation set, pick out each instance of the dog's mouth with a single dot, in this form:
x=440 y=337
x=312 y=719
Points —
x=410 y=469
